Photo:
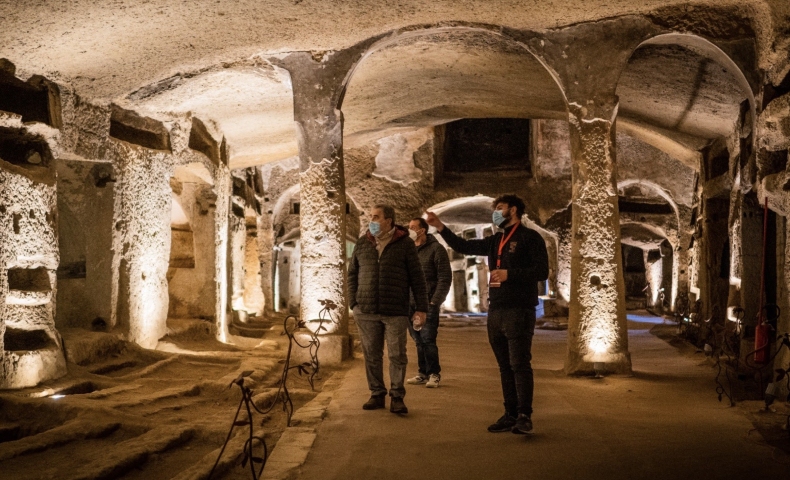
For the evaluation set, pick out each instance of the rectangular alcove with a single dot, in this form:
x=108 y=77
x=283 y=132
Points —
x=18 y=340
x=29 y=280
x=487 y=144
x=182 y=249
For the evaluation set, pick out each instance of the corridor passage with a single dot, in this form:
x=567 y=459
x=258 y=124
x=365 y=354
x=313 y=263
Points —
x=664 y=422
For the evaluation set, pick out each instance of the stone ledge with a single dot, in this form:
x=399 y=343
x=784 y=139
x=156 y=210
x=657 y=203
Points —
x=29 y=368
x=290 y=453
x=294 y=446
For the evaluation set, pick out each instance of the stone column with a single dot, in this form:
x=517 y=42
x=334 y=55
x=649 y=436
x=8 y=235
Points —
x=222 y=189
x=681 y=258
x=265 y=240
x=142 y=242
x=560 y=224
x=30 y=347
x=322 y=219
x=317 y=88
x=750 y=256
x=236 y=254
x=597 y=330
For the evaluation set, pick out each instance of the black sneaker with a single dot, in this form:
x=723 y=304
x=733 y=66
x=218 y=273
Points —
x=375 y=402
x=504 y=424
x=523 y=424
x=397 y=406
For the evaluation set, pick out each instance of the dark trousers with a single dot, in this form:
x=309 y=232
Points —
x=425 y=339
x=510 y=332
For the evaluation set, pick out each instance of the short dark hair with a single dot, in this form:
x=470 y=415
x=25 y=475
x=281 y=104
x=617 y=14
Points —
x=423 y=223
x=511 y=200
x=388 y=212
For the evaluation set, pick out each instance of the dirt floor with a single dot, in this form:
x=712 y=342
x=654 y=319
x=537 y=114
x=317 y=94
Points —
x=140 y=414
x=129 y=413
x=664 y=422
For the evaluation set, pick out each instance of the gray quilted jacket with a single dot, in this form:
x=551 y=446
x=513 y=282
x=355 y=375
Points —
x=382 y=285
x=436 y=268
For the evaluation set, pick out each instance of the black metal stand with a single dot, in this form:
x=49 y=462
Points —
x=310 y=368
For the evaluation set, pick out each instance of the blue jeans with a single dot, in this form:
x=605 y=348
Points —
x=510 y=332
x=427 y=351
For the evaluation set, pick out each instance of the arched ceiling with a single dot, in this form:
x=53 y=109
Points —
x=465 y=211
x=251 y=105
x=434 y=78
x=641 y=235
x=685 y=95
x=202 y=54
x=109 y=49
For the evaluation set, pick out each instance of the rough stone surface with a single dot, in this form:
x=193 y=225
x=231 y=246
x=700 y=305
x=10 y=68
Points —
x=142 y=242
x=28 y=241
x=597 y=330
x=395 y=161
x=85 y=232
x=773 y=126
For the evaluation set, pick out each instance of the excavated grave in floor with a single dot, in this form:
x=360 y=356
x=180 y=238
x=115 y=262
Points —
x=126 y=412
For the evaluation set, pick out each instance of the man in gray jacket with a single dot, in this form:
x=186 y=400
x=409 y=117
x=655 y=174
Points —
x=383 y=272
x=438 y=277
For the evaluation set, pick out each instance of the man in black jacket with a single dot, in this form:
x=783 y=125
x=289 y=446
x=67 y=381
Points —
x=518 y=260
x=382 y=273
x=438 y=277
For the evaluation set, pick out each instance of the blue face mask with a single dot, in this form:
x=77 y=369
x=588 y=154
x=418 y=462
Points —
x=375 y=228
x=498 y=218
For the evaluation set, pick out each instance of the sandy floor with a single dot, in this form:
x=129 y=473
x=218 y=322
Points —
x=140 y=414
x=136 y=414
x=665 y=422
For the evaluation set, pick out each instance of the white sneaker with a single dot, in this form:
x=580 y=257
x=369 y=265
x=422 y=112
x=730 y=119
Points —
x=418 y=380
x=433 y=381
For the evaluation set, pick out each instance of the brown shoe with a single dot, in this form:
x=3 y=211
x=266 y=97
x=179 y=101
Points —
x=397 y=406
x=374 y=403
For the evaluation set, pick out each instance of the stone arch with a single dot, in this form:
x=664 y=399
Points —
x=380 y=42
x=709 y=50
x=652 y=186
x=673 y=238
x=662 y=137
x=191 y=269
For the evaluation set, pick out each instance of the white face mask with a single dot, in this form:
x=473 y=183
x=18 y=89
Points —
x=412 y=234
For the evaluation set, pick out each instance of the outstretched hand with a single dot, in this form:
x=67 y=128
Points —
x=434 y=221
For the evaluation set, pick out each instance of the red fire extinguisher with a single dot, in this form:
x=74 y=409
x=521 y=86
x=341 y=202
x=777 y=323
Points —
x=762 y=332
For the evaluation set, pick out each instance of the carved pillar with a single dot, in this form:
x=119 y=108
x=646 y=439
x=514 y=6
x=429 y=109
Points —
x=681 y=257
x=317 y=87
x=223 y=185
x=597 y=324
x=141 y=243
x=30 y=347
x=266 y=258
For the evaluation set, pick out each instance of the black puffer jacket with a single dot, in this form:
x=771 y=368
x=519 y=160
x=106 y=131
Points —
x=436 y=267
x=382 y=285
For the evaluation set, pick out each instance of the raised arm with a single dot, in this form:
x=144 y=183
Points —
x=460 y=245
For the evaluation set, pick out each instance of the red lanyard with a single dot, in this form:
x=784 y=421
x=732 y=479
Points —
x=502 y=242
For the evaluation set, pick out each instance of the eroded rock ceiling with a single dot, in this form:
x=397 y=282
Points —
x=163 y=58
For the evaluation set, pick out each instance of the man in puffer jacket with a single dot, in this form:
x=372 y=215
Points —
x=384 y=269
